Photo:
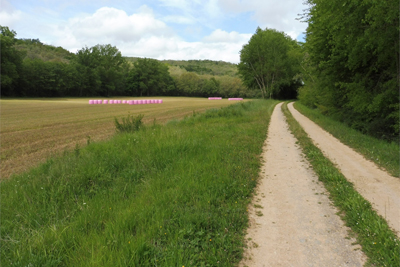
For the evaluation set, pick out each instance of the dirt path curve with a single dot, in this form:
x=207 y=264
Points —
x=375 y=185
x=299 y=226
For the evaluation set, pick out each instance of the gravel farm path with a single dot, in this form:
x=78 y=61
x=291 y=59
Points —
x=374 y=184
x=292 y=221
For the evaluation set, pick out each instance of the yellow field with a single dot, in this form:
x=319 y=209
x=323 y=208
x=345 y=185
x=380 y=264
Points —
x=32 y=130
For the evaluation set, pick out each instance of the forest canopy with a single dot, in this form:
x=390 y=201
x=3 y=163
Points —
x=271 y=62
x=351 y=63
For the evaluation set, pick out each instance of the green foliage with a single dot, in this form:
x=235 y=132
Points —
x=151 y=77
x=38 y=70
x=204 y=67
x=352 y=64
x=34 y=49
x=269 y=61
x=129 y=124
x=102 y=69
x=11 y=62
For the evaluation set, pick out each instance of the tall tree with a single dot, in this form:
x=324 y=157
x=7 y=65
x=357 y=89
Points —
x=101 y=68
x=149 y=76
x=265 y=61
x=11 y=61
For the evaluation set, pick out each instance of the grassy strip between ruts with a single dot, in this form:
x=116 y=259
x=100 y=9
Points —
x=172 y=195
x=378 y=241
x=384 y=154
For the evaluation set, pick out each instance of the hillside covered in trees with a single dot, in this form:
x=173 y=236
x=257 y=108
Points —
x=33 y=69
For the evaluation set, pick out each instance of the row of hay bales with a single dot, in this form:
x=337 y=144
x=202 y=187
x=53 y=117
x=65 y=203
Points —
x=130 y=102
x=219 y=98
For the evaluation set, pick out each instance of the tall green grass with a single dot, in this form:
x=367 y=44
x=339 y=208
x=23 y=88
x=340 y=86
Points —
x=385 y=154
x=173 y=195
x=378 y=241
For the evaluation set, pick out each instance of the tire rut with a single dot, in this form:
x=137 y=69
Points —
x=375 y=185
x=292 y=221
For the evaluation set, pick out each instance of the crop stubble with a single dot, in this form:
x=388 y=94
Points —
x=34 y=129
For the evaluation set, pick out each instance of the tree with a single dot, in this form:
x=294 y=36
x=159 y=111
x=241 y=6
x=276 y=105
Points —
x=149 y=76
x=11 y=61
x=102 y=68
x=265 y=61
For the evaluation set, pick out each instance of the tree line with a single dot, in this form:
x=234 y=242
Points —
x=351 y=63
x=348 y=68
x=32 y=69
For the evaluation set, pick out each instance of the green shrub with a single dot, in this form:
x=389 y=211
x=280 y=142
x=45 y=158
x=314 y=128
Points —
x=129 y=124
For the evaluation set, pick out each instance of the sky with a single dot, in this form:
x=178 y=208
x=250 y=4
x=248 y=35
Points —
x=159 y=29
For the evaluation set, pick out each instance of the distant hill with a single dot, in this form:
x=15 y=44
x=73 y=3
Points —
x=34 y=49
x=201 y=67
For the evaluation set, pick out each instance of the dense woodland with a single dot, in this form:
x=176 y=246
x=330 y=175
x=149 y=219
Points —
x=351 y=63
x=348 y=68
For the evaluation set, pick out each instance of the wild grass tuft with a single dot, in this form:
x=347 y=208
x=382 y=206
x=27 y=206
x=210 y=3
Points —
x=172 y=195
x=378 y=241
x=129 y=124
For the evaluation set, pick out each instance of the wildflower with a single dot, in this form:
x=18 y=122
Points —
x=210 y=240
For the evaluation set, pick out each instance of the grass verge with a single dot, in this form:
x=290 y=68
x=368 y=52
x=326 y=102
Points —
x=172 y=195
x=378 y=242
x=385 y=154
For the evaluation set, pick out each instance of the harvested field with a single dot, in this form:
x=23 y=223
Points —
x=34 y=129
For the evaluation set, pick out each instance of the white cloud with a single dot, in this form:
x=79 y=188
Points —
x=109 y=26
x=8 y=15
x=142 y=35
x=220 y=36
x=113 y=24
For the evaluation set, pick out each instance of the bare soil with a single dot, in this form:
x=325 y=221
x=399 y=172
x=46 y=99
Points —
x=292 y=221
x=374 y=184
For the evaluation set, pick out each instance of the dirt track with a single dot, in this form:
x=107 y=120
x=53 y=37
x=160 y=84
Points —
x=375 y=185
x=298 y=225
